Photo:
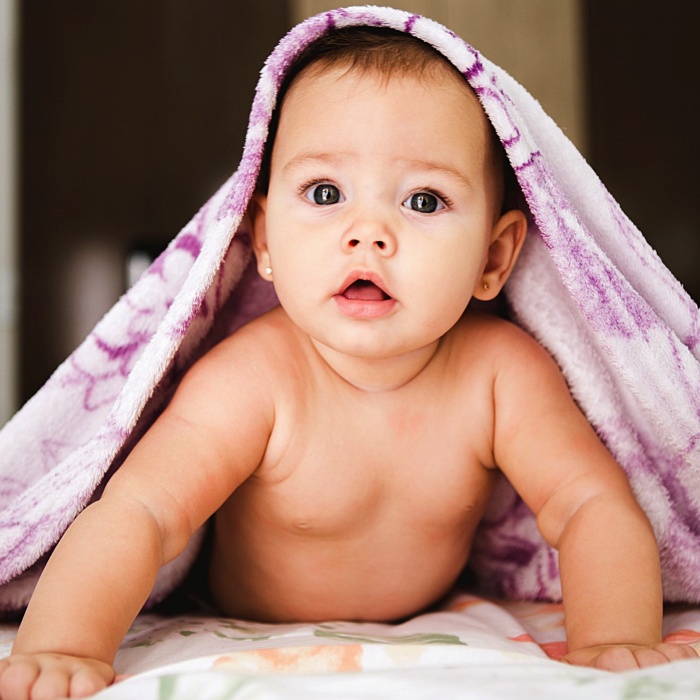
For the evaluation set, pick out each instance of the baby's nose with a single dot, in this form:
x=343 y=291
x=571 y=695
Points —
x=370 y=234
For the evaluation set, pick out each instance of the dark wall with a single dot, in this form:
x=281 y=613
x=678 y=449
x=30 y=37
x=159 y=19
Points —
x=132 y=113
x=643 y=85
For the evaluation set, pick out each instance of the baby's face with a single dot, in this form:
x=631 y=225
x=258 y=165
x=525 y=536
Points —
x=378 y=215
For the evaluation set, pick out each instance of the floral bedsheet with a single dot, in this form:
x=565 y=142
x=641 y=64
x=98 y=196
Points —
x=469 y=647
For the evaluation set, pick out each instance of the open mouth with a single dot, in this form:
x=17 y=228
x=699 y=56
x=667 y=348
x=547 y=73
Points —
x=364 y=298
x=365 y=290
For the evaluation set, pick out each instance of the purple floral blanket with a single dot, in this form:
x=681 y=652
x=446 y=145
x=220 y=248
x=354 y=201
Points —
x=588 y=287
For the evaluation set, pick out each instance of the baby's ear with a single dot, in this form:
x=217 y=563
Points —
x=256 y=219
x=507 y=238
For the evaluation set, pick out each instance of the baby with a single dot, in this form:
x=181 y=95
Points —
x=347 y=441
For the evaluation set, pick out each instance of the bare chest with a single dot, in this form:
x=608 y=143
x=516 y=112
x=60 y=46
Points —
x=340 y=469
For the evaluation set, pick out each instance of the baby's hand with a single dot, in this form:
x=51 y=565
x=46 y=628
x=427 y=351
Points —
x=627 y=657
x=48 y=676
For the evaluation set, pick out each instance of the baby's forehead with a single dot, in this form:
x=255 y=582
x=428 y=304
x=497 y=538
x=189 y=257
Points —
x=384 y=56
x=318 y=82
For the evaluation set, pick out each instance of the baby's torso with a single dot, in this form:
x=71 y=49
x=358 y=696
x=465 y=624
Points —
x=364 y=506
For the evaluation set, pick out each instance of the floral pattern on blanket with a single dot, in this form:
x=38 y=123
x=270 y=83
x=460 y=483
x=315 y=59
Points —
x=492 y=646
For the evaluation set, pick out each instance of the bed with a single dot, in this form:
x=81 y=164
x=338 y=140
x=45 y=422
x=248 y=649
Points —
x=468 y=647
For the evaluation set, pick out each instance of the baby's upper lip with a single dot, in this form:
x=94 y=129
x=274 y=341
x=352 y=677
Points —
x=366 y=276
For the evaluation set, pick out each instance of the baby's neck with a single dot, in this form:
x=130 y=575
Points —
x=375 y=375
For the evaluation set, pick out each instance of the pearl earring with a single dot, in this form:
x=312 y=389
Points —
x=268 y=270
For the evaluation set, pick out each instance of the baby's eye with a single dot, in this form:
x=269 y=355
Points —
x=324 y=194
x=424 y=202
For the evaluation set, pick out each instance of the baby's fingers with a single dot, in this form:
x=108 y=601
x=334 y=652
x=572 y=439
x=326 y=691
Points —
x=17 y=677
x=630 y=657
x=676 y=652
x=620 y=658
x=52 y=682
x=87 y=682
x=51 y=676
x=660 y=654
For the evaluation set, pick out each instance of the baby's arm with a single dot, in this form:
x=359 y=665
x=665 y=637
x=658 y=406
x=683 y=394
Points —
x=201 y=448
x=608 y=558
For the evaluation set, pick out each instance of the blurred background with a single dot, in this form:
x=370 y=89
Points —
x=118 y=118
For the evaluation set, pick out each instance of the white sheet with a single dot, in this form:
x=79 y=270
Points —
x=469 y=648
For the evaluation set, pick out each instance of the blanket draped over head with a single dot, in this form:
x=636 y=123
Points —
x=587 y=286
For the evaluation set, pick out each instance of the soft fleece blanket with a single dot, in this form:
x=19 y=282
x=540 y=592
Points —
x=588 y=286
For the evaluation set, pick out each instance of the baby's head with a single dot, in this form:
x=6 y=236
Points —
x=381 y=199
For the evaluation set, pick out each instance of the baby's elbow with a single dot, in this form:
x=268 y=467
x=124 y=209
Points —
x=597 y=509
x=160 y=520
x=173 y=527
x=570 y=507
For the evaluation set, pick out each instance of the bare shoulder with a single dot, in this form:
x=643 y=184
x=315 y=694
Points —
x=542 y=441
x=250 y=355
x=501 y=344
x=233 y=391
x=212 y=435
x=522 y=376
x=263 y=337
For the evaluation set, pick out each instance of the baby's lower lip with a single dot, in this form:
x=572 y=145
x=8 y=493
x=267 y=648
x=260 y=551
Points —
x=363 y=308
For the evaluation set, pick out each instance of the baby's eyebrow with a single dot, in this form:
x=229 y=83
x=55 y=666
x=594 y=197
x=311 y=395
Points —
x=322 y=158
x=339 y=158
x=443 y=168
